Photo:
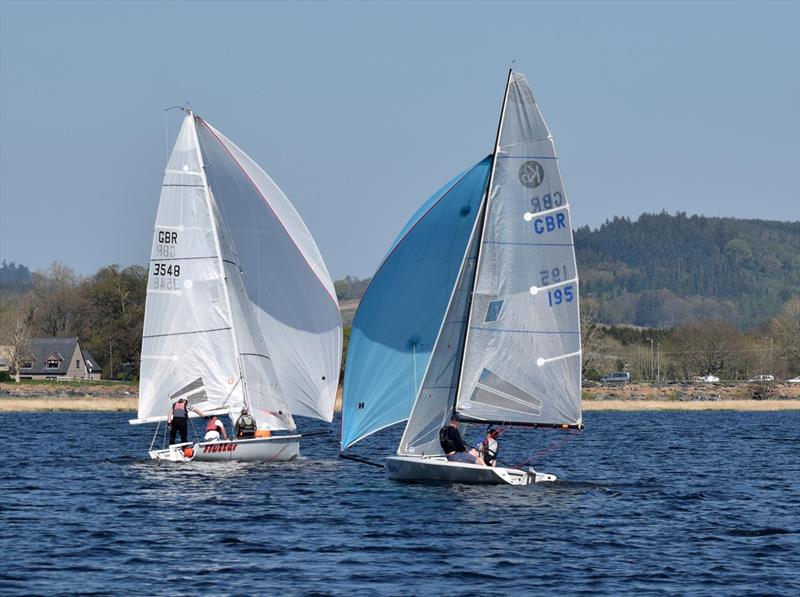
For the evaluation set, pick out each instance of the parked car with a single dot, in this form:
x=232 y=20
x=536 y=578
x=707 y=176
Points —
x=758 y=378
x=616 y=377
x=794 y=380
x=709 y=379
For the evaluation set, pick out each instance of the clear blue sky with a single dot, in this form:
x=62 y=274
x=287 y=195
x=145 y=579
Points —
x=359 y=111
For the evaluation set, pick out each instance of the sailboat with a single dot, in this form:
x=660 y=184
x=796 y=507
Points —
x=474 y=310
x=241 y=312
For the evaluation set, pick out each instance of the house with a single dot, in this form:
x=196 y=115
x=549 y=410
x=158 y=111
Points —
x=58 y=358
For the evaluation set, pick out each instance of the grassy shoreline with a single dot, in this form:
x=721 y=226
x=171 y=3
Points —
x=110 y=397
x=128 y=404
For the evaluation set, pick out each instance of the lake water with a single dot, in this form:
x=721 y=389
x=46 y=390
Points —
x=687 y=503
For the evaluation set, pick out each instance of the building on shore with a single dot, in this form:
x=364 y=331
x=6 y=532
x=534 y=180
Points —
x=58 y=358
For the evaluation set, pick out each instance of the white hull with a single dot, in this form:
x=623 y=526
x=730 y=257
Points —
x=268 y=449
x=440 y=470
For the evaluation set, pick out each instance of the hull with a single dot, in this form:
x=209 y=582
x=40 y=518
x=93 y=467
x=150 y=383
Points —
x=440 y=470
x=269 y=449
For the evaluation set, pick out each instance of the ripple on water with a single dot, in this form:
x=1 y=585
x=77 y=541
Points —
x=661 y=507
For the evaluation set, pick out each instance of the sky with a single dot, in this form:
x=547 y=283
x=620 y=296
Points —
x=360 y=111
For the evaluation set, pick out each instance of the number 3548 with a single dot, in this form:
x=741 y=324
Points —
x=162 y=269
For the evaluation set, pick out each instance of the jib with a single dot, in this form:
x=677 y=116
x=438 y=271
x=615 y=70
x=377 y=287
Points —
x=167 y=237
x=549 y=223
x=219 y=448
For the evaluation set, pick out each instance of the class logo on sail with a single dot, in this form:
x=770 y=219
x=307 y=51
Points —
x=531 y=174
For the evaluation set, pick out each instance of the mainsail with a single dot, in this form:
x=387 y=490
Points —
x=522 y=357
x=401 y=312
x=203 y=335
x=188 y=326
x=291 y=292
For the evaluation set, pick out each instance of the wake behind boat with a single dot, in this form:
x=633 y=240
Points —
x=473 y=314
x=241 y=315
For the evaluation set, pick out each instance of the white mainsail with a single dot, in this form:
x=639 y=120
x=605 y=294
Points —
x=522 y=357
x=188 y=328
x=291 y=292
x=201 y=338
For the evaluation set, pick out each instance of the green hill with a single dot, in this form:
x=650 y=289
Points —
x=662 y=270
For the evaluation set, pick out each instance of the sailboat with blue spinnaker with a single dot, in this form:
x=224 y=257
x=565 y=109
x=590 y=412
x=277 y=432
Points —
x=474 y=311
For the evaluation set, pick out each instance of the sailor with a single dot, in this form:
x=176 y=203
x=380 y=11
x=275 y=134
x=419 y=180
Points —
x=453 y=445
x=178 y=419
x=489 y=447
x=245 y=425
x=215 y=429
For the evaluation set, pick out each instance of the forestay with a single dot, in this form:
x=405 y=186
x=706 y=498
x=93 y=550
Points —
x=522 y=358
x=292 y=295
x=188 y=339
x=401 y=312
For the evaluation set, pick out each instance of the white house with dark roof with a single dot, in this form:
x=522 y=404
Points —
x=58 y=358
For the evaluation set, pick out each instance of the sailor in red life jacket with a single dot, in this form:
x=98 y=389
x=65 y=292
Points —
x=178 y=419
x=215 y=429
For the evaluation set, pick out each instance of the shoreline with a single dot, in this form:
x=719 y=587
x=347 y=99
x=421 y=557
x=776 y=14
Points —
x=12 y=404
x=111 y=397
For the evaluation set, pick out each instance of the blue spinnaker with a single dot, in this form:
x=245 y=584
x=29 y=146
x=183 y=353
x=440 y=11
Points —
x=400 y=314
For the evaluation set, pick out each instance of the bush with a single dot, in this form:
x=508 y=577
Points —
x=4 y=376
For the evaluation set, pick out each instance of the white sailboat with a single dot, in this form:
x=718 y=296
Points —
x=474 y=311
x=241 y=311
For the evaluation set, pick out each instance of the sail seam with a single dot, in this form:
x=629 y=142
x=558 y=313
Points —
x=185 y=333
x=183 y=258
x=258 y=190
x=500 y=242
x=182 y=185
x=481 y=329
x=255 y=354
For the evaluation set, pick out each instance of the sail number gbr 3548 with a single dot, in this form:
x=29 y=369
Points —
x=165 y=275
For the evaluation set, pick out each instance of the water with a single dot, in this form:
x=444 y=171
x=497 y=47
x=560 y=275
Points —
x=689 y=503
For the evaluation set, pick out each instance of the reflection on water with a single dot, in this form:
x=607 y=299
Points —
x=693 y=502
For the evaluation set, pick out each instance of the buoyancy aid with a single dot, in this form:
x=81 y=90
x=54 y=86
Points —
x=179 y=410
x=212 y=425
x=246 y=425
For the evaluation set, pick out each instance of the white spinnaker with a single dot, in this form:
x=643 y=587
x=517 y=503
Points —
x=285 y=277
x=262 y=392
x=522 y=358
x=188 y=333
x=434 y=404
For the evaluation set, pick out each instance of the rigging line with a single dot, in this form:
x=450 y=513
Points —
x=573 y=433
x=359 y=459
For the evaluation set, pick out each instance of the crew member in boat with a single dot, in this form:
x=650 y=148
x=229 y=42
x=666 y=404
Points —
x=178 y=420
x=489 y=446
x=215 y=428
x=454 y=447
x=245 y=425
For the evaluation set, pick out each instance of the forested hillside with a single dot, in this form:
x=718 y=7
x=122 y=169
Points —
x=663 y=270
x=682 y=275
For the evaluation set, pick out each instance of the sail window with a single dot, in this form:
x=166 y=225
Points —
x=493 y=312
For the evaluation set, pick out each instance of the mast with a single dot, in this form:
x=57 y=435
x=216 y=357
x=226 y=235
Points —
x=212 y=216
x=484 y=210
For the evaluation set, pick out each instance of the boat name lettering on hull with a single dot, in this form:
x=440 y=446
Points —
x=219 y=448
